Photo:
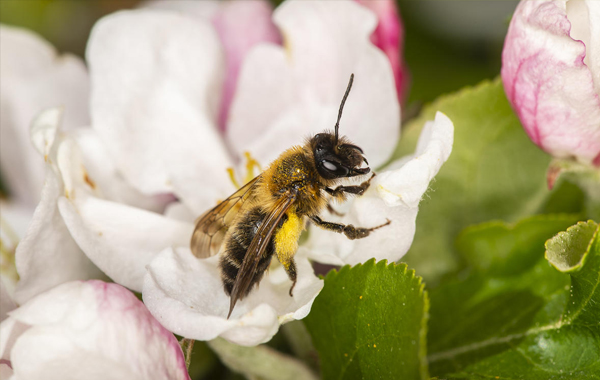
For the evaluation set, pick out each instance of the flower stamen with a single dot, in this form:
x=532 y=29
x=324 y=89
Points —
x=8 y=245
x=251 y=164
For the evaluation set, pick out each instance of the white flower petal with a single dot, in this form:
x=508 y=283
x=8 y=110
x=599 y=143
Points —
x=10 y=330
x=93 y=330
x=107 y=179
x=48 y=255
x=584 y=17
x=156 y=82
x=406 y=185
x=186 y=295
x=34 y=77
x=17 y=217
x=241 y=25
x=44 y=128
x=118 y=238
x=181 y=212
x=285 y=94
x=203 y=10
x=6 y=301
x=394 y=194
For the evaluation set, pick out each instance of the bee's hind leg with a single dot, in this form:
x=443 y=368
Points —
x=290 y=268
x=349 y=230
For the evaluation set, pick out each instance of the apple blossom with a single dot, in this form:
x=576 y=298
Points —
x=241 y=25
x=551 y=75
x=32 y=77
x=91 y=330
x=156 y=78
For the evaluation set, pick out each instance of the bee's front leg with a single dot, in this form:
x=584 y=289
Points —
x=339 y=191
x=349 y=230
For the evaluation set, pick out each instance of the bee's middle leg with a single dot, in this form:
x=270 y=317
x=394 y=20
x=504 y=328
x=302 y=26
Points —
x=349 y=230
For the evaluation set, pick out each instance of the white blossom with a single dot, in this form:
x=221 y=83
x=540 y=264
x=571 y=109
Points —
x=87 y=330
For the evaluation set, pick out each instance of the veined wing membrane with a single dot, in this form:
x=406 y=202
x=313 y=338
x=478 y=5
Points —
x=212 y=226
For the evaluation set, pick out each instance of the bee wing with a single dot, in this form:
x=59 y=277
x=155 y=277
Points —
x=212 y=226
x=257 y=247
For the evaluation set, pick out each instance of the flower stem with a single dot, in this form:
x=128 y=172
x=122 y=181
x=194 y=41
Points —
x=187 y=345
x=260 y=362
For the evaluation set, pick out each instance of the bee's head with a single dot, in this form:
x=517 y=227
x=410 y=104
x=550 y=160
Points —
x=336 y=157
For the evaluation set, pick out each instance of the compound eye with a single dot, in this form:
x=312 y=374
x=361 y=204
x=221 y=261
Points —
x=329 y=166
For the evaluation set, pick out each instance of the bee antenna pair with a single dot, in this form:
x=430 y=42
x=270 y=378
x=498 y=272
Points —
x=337 y=124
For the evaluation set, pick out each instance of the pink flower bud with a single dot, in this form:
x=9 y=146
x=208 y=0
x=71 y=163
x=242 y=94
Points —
x=389 y=37
x=551 y=75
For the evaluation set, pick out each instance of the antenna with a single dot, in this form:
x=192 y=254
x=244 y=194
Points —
x=337 y=123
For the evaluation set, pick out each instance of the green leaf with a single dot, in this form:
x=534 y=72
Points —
x=494 y=172
x=369 y=322
x=515 y=316
x=567 y=250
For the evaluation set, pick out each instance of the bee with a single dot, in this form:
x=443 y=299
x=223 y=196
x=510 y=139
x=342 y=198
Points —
x=267 y=215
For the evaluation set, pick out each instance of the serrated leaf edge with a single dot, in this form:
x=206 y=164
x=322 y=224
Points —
x=581 y=262
x=383 y=263
x=424 y=364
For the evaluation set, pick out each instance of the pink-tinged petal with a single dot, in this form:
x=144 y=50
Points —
x=186 y=295
x=394 y=194
x=93 y=330
x=156 y=80
x=33 y=77
x=547 y=79
x=241 y=25
x=120 y=239
x=389 y=37
x=5 y=370
x=287 y=93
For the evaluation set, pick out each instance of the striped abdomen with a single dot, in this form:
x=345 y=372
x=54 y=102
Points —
x=236 y=247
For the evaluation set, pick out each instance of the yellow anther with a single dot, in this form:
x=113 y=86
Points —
x=7 y=251
x=231 y=173
x=251 y=163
